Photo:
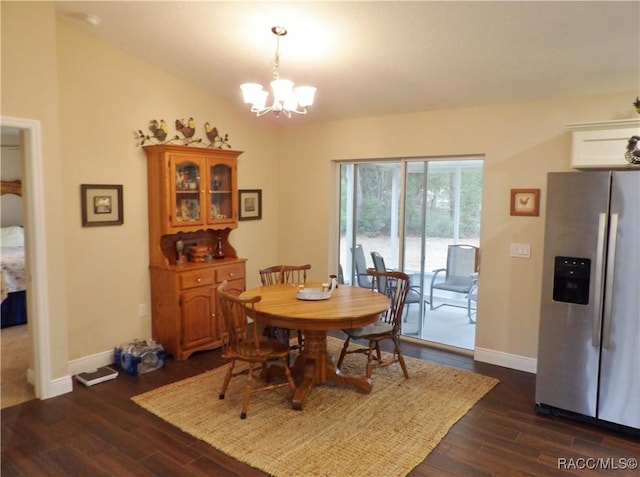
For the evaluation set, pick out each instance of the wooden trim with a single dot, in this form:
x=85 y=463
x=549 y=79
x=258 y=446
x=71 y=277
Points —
x=12 y=187
x=525 y=202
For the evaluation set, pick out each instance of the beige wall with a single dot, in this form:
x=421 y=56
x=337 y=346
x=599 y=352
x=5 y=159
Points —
x=105 y=95
x=99 y=275
x=30 y=90
x=90 y=99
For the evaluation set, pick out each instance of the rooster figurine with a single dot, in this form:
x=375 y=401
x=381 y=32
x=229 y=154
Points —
x=187 y=130
x=215 y=140
x=637 y=104
x=633 y=153
x=212 y=133
x=159 y=130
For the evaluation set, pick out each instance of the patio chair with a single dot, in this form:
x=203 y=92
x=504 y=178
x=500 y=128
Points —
x=363 y=279
x=395 y=285
x=460 y=276
x=243 y=344
x=413 y=296
x=295 y=274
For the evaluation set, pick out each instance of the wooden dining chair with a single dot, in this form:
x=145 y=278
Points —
x=414 y=295
x=242 y=343
x=395 y=286
x=271 y=275
x=294 y=274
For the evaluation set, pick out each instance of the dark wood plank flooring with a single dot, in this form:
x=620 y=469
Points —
x=98 y=431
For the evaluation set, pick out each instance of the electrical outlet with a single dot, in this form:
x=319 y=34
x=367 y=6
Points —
x=142 y=310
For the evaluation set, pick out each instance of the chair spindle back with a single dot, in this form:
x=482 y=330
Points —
x=295 y=273
x=395 y=285
x=284 y=274
x=234 y=323
x=271 y=275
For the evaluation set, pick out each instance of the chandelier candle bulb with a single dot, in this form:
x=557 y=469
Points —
x=282 y=89
x=251 y=91
x=305 y=95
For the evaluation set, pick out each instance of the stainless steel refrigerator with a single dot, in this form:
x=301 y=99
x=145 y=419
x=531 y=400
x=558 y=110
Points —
x=589 y=340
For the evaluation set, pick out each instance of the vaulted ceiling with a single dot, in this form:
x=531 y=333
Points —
x=378 y=58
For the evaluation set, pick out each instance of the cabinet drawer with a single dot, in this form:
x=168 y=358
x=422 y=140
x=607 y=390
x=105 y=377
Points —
x=230 y=272
x=196 y=279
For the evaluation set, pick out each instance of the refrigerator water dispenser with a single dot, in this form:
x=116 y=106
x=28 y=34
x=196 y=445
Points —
x=571 y=276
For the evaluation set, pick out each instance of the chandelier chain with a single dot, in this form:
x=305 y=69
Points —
x=276 y=59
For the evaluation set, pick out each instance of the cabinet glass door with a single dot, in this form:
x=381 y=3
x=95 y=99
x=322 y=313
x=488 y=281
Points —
x=188 y=207
x=220 y=193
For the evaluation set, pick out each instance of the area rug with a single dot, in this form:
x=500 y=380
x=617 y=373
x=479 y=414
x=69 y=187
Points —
x=340 y=432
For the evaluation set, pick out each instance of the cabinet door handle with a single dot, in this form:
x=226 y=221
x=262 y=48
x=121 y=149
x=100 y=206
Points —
x=198 y=279
x=231 y=274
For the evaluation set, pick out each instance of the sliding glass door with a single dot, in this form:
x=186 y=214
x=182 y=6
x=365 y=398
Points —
x=443 y=201
x=369 y=216
x=409 y=212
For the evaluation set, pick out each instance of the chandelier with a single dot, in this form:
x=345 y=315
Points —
x=286 y=99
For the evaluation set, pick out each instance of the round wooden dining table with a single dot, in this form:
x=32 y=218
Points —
x=348 y=307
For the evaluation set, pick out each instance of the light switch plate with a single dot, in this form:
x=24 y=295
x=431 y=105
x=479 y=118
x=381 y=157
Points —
x=521 y=250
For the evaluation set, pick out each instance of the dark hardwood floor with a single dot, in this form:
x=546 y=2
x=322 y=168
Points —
x=99 y=431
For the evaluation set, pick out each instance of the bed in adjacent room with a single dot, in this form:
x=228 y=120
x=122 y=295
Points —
x=13 y=307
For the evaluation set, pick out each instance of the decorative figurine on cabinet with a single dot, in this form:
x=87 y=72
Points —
x=219 y=251
x=180 y=250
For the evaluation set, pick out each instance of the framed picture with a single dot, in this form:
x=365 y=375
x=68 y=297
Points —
x=101 y=204
x=525 y=202
x=250 y=201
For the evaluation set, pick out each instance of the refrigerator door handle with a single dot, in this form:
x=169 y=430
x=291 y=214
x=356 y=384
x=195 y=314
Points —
x=608 y=293
x=598 y=282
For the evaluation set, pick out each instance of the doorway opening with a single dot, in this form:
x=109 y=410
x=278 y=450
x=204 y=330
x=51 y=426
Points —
x=14 y=342
x=410 y=211
x=35 y=245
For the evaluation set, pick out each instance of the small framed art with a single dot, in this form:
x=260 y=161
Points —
x=525 y=202
x=101 y=205
x=250 y=201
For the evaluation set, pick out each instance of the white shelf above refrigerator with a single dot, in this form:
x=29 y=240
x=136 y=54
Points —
x=602 y=144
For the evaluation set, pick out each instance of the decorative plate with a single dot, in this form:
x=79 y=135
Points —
x=313 y=294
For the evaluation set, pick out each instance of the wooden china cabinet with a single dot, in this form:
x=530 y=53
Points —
x=193 y=206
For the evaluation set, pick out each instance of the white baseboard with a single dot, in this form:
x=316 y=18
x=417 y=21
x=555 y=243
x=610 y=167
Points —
x=89 y=363
x=60 y=386
x=55 y=387
x=521 y=363
x=64 y=384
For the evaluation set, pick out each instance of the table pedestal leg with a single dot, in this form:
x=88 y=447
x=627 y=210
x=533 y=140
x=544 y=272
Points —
x=315 y=366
